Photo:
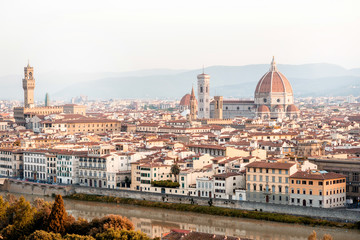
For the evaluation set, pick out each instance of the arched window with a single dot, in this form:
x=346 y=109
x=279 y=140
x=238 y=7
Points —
x=254 y=187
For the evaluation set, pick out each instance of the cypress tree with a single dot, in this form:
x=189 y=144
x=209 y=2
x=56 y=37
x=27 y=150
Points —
x=58 y=216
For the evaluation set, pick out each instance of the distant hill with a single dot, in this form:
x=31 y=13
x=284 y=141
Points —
x=318 y=79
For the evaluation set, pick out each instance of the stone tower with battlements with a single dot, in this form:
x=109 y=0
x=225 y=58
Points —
x=28 y=86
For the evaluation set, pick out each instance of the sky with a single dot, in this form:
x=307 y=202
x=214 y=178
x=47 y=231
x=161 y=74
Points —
x=116 y=36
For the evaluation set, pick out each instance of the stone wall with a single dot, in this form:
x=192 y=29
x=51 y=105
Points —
x=322 y=213
x=48 y=190
x=14 y=186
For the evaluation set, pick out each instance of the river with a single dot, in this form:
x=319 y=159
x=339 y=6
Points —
x=154 y=222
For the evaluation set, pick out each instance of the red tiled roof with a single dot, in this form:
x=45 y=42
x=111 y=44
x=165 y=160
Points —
x=317 y=175
x=270 y=165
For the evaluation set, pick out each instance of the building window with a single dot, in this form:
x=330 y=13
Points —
x=310 y=182
x=355 y=177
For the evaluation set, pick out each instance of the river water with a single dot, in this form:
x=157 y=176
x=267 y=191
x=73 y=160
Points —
x=154 y=222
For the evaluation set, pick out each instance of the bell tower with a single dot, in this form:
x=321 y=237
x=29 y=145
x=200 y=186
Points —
x=28 y=86
x=193 y=106
x=204 y=95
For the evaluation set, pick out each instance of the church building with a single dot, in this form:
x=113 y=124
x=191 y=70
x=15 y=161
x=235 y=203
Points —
x=273 y=99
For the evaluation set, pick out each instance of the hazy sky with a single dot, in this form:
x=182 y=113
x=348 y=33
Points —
x=115 y=36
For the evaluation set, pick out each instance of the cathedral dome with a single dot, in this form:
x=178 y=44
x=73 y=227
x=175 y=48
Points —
x=263 y=109
x=273 y=82
x=292 y=108
x=185 y=101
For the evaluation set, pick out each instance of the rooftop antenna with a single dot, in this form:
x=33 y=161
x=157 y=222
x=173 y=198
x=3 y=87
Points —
x=203 y=68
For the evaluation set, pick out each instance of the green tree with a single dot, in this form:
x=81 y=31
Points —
x=175 y=170
x=127 y=181
x=3 y=208
x=18 y=219
x=42 y=215
x=43 y=235
x=58 y=216
x=112 y=234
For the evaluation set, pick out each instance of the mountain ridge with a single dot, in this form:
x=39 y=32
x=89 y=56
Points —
x=229 y=81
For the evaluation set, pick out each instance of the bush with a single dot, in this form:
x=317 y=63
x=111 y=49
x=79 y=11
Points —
x=77 y=237
x=165 y=183
x=115 y=222
x=121 y=235
x=43 y=235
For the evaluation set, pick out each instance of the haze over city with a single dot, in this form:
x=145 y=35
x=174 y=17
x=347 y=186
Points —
x=115 y=36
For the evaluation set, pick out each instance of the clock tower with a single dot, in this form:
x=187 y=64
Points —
x=28 y=86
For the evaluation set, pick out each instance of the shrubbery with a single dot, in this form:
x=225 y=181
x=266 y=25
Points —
x=165 y=183
x=43 y=220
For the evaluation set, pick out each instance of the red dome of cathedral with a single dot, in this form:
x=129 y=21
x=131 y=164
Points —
x=185 y=101
x=263 y=108
x=273 y=81
x=292 y=108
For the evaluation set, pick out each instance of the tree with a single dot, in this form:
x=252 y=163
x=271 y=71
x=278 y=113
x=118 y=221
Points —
x=77 y=237
x=19 y=219
x=110 y=221
x=112 y=234
x=312 y=236
x=43 y=235
x=58 y=216
x=127 y=181
x=42 y=215
x=175 y=170
x=3 y=207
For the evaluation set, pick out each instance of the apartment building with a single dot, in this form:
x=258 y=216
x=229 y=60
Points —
x=67 y=167
x=269 y=181
x=6 y=162
x=51 y=162
x=346 y=166
x=225 y=184
x=35 y=165
x=98 y=168
x=318 y=189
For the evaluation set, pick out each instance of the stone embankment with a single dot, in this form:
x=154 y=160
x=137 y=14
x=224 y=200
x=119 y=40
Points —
x=340 y=215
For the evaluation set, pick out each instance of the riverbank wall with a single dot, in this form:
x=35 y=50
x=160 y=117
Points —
x=340 y=215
